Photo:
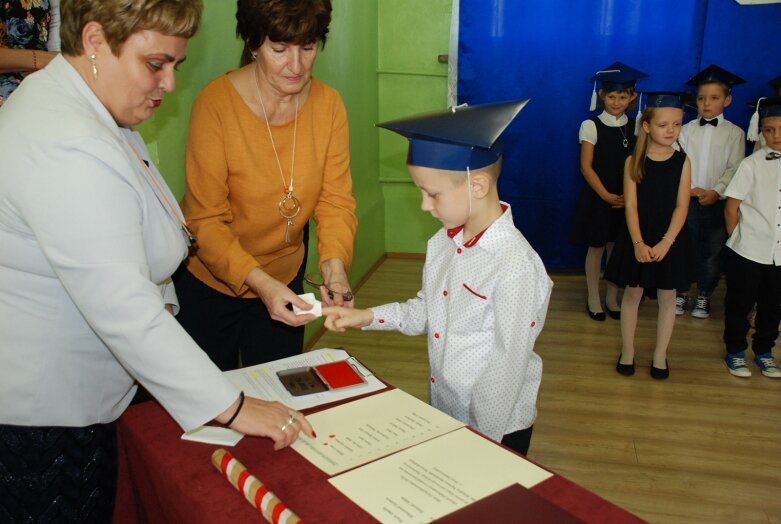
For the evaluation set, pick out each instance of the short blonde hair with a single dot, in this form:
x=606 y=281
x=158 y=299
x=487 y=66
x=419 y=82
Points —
x=122 y=18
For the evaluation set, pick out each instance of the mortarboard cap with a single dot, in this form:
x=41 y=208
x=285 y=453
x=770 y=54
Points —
x=766 y=106
x=615 y=77
x=776 y=84
x=770 y=106
x=714 y=73
x=676 y=99
x=618 y=76
x=461 y=137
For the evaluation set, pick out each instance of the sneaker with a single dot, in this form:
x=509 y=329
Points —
x=767 y=365
x=701 y=307
x=680 y=304
x=736 y=364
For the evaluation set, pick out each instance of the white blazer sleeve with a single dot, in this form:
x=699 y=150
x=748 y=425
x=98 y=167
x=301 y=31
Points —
x=88 y=218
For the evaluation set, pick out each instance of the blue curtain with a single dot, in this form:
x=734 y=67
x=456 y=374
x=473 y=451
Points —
x=547 y=51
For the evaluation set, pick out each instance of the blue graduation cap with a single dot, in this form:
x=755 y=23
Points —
x=714 y=73
x=461 y=137
x=615 y=77
x=677 y=99
x=776 y=84
x=766 y=106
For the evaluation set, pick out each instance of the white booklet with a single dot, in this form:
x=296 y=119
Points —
x=262 y=382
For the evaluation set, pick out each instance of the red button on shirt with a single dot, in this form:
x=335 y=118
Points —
x=458 y=250
x=381 y=321
x=433 y=380
x=436 y=335
x=444 y=292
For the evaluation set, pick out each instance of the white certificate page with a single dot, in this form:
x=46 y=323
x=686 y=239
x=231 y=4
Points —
x=369 y=428
x=432 y=479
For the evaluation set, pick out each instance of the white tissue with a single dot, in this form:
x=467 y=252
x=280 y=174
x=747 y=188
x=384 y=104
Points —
x=309 y=298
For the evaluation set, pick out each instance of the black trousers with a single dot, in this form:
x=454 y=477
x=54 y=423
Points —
x=750 y=283
x=58 y=474
x=235 y=332
x=519 y=441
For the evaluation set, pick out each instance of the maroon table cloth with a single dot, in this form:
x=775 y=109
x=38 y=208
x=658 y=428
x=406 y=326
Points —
x=165 y=479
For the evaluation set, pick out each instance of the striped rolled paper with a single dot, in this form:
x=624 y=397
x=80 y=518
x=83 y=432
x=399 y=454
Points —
x=272 y=509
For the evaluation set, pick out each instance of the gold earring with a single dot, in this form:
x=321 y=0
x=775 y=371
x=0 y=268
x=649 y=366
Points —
x=93 y=62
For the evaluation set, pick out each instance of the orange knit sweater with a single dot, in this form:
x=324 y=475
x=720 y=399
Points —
x=234 y=186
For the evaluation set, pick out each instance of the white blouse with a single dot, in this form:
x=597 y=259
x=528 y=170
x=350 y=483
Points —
x=588 y=129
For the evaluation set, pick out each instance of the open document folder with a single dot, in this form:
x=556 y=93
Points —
x=416 y=463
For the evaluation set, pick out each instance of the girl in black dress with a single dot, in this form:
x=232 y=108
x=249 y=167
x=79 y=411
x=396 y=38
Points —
x=651 y=251
x=605 y=142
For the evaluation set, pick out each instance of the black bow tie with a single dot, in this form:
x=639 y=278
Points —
x=773 y=156
x=713 y=122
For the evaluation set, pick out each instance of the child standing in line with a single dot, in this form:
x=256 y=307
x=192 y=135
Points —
x=605 y=142
x=715 y=147
x=753 y=270
x=652 y=250
x=753 y=133
x=485 y=291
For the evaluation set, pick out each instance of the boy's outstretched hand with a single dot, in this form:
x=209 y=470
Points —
x=339 y=318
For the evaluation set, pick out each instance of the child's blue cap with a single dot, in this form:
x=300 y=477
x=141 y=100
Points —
x=765 y=107
x=677 y=99
x=776 y=83
x=770 y=106
x=461 y=137
x=666 y=99
x=618 y=77
x=615 y=77
x=714 y=73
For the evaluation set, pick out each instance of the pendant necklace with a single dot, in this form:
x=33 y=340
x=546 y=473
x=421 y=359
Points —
x=625 y=141
x=289 y=206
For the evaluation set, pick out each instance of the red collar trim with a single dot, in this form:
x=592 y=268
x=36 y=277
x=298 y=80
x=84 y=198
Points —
x=453 y=232
x=472 y=241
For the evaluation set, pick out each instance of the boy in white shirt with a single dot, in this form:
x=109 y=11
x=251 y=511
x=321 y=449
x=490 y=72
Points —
x=485 y=290
x=715 y=147
x=753 y=218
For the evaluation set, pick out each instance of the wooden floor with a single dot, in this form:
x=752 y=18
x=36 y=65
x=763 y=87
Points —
x=703 y=446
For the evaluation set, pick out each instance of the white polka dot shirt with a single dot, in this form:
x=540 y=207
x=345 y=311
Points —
x=482 y=305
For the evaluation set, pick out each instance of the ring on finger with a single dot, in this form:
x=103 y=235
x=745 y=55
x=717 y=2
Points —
x=290 y=422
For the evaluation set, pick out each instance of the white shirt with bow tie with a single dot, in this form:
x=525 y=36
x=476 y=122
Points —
x=714 y=152
x=757 y=184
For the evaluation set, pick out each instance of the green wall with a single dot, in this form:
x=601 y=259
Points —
x=411 y=35
x=381 y=55
x=213 y=51
x=348 y=63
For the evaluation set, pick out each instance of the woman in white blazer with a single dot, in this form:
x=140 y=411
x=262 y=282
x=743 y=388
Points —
x=89 y=236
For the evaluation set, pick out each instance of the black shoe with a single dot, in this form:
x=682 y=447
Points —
x=660 y=374
x=625 y=369
x=615 y=315
x=599 y=317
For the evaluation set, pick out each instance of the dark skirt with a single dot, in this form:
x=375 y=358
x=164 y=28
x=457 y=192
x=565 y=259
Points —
x=58 y=474
x=595 y=223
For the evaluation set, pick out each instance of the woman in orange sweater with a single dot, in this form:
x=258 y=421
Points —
x=268 y=148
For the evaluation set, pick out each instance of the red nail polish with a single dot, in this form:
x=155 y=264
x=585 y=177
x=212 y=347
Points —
x=314 y=434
